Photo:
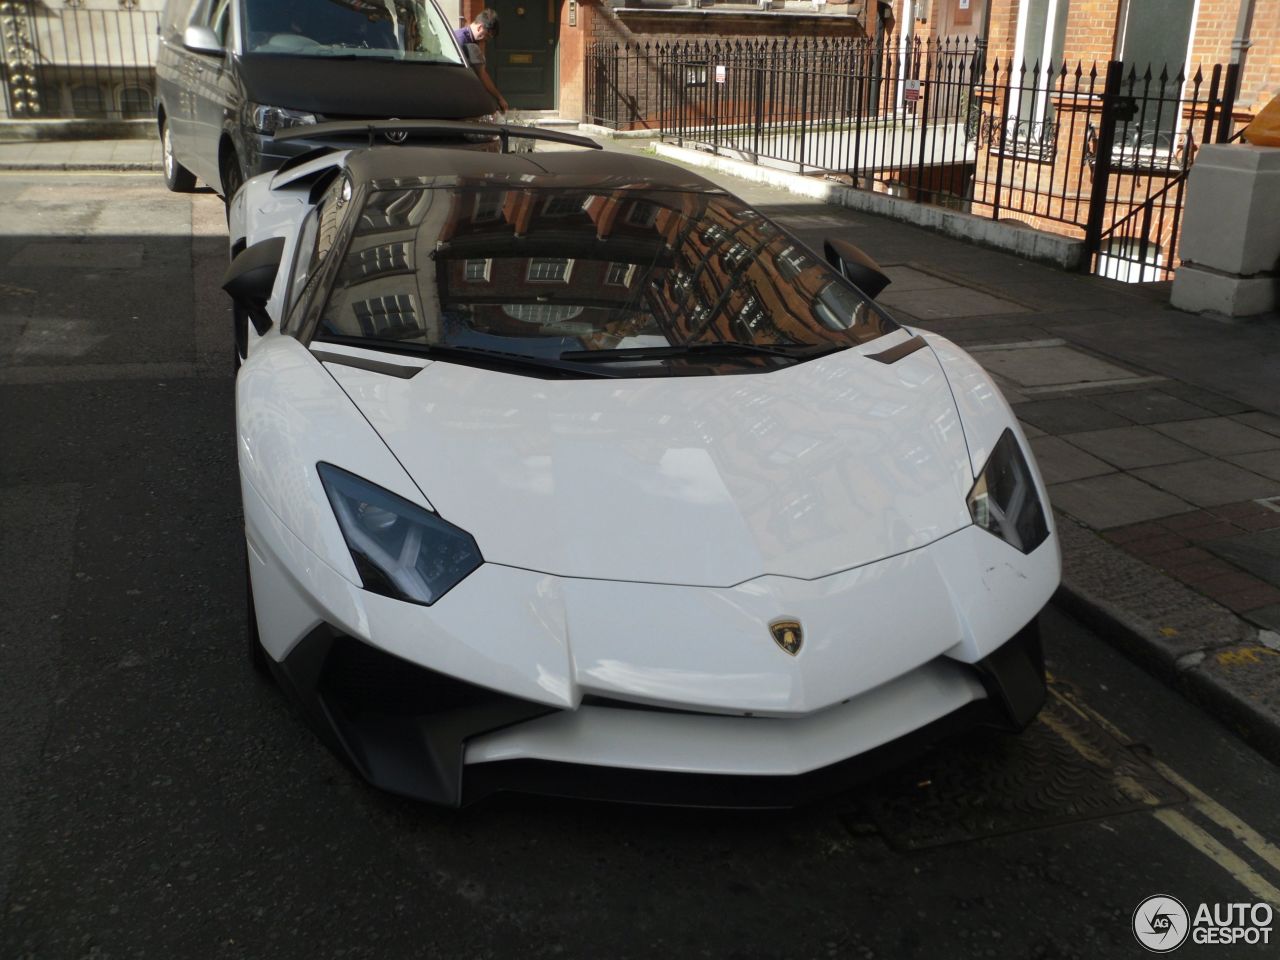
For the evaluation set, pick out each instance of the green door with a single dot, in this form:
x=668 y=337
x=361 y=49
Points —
x=522 y=60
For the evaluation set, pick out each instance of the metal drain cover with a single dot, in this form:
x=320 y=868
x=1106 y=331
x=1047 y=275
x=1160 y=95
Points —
x=1064 y=768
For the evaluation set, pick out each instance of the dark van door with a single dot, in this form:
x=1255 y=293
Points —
x=214 y=95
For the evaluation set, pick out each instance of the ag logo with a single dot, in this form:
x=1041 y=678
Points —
x=1161 y=923
x=787 y=635
x=396 y=136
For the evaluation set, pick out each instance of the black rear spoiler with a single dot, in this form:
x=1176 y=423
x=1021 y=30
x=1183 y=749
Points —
x=402 y=131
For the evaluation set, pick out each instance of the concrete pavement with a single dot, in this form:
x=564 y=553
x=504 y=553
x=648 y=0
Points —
x=1158 y=434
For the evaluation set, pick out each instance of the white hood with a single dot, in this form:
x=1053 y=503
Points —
x=703 y=480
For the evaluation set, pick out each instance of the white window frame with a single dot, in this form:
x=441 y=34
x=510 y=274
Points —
x=488 y=216
x=1045 y=58
x=1153 y=153
x=628 y=273
x=568 y=270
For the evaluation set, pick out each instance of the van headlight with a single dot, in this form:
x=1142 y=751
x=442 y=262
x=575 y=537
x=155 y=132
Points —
x=268 y=120
x=400 y=550
x=1004 y=501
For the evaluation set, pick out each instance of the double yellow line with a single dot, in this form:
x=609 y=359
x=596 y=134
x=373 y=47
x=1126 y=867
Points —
x=1178 y=822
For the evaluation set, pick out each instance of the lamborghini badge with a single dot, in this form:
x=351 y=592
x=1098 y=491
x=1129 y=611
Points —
x=787 y=635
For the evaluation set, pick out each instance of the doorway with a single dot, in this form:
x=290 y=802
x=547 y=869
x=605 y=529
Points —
x=522 y=59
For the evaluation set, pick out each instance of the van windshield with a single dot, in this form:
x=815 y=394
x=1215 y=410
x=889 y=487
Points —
x=376 y=29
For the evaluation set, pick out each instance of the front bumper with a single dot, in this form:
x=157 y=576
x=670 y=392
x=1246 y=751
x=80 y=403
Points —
x=263 y=153
x=421 y=734
x=526 y=681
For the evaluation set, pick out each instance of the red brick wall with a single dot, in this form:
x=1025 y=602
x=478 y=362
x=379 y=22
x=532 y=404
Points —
x=1093 y=28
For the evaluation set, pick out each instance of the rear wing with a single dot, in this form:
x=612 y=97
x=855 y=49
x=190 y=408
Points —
x=403 y=131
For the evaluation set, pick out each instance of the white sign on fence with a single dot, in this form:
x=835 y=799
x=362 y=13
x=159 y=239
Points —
x=910 y=90
x=720 y=72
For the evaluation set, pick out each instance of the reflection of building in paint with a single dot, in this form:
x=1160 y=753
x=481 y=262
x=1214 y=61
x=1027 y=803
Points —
x=455 y=262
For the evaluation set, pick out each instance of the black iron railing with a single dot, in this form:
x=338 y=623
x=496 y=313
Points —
x=75 y=63
x=937 y=122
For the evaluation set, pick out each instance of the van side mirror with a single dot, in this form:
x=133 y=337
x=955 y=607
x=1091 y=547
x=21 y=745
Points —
x=200 y=39
x=855 y=266
x=251 y=277
x=475 y=55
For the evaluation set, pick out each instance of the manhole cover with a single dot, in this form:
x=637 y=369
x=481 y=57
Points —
x=1063 y=769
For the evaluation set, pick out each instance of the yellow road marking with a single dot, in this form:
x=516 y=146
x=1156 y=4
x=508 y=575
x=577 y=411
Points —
x=1174 y=820
x=1219 y=854
x=1264 y=849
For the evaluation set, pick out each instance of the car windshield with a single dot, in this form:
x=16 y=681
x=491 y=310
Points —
x=379 y=29
x=627 y=277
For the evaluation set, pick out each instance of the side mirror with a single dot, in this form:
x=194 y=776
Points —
x=475 y=55
x=200 y=39
x=251 y=277
x=855 y=266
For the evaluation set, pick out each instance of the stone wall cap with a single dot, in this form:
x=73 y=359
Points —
x=1239 y=156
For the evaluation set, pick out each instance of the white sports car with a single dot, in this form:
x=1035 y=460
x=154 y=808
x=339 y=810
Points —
x=570 y=472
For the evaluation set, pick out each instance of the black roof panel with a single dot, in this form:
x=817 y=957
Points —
x=555 y=168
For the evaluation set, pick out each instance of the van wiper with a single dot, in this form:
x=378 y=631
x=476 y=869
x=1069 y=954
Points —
x=709 y=351
x=475 y=356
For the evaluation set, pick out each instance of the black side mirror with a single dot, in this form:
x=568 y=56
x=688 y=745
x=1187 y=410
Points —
x=855 y=266
x=250 y=278
x=475 y=55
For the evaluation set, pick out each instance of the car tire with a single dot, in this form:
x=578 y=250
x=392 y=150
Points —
x=257 y=656
x=176 y=177
x=232 y=178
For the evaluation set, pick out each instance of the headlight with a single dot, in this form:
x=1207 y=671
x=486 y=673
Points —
x=270 y=119
x=400 y=549
x=1004 y=501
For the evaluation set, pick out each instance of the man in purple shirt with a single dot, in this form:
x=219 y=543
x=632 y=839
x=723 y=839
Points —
x=484 y=25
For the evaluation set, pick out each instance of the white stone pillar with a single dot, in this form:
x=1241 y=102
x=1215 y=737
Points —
x=1230 y=246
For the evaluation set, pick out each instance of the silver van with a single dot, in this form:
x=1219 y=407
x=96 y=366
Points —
x=231 y=73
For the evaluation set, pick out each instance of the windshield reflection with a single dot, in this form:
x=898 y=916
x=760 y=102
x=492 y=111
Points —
x=380 y=29
x=542 y=272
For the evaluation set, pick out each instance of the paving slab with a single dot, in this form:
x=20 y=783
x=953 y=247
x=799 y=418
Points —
x=1152 y=406
x=1067 y=415
x=944 y=303
x=1267 y=617
x=1208 y=482
x=1042 y=366
x=1259 y=421
x=1131 y=447
x=1061 y=462
x=906 y=278
x=1114 y=500
x=1264 y=462
x=1219 y=436
x=1259 y=553
x=1208 y=399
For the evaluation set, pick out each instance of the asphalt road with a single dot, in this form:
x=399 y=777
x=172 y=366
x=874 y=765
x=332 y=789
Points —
x=158 y=800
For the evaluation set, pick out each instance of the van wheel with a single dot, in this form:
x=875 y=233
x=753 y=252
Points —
x=232 y=178
x=176 y=177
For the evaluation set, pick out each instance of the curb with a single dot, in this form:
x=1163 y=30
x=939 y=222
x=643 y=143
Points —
x=1215 y=659
x=121 y=166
